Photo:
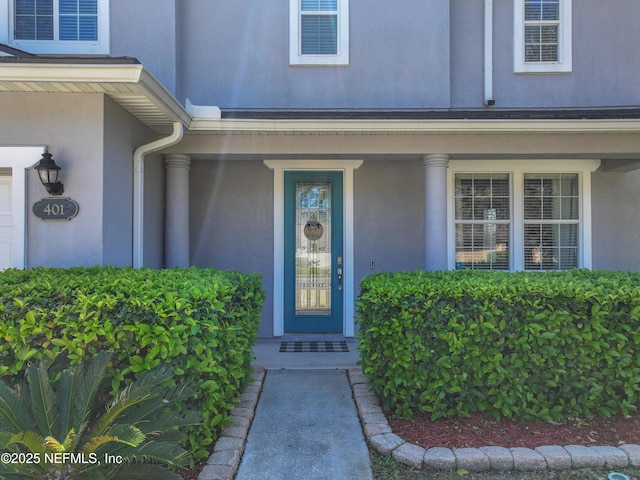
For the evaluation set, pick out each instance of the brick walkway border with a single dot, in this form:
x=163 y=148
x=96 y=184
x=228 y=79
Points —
x=549 y=457
x=227 y=453
x=224 y=461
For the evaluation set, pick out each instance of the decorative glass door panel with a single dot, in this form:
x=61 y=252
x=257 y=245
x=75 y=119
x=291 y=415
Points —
x=313 y=248
x=313 y=251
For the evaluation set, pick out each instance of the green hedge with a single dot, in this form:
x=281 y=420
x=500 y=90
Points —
x=527 y=346
x=202 y=322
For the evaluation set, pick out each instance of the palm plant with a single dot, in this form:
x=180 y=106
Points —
x=70 y=428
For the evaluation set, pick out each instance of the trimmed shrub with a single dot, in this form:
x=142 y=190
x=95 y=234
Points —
x=525 y=345
x=201 y=322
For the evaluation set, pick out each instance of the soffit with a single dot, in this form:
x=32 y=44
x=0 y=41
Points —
x=129 y=85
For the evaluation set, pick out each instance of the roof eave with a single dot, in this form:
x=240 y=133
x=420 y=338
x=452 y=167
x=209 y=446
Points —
x=129 y=84
x=407 y=127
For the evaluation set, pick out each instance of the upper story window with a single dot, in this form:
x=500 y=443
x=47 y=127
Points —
x=60 y=26
x=319 y=32
x=542 y=30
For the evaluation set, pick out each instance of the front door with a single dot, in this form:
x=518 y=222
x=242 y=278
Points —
x=313 y=246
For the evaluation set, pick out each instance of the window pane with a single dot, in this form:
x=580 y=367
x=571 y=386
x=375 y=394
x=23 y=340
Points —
x=541 y=10
x=88 y=28
x=34 y=20
x=319 y=5
x=319 y=34
x=88 y=7
x=541 y=43
x=482 y=247
x=68 y=7
x=551 y=197
x=25 y=28
x=478 y=193
x=44 y=7
x=78 y=20
x=44 y=28
x=464 y=208
x=551 y=246
x=68 y=28
x=482 y=200
x=25 y=7
x=550 y=10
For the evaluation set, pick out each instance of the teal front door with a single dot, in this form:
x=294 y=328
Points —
x=313 y=248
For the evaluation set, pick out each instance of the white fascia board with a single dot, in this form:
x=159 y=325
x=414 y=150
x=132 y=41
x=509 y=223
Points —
x=418 y=126
x=69 y=72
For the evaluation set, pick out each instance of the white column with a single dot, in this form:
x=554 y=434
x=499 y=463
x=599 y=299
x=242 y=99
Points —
x=177 y=211
x=435 y=211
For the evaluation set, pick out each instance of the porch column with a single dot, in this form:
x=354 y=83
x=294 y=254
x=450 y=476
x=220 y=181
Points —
x=176 y=247
x=435 y=211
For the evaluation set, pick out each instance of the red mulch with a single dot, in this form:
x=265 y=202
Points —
x=479 y=431
x=192 y=474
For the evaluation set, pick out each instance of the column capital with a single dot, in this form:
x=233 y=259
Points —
x=177 y=160
x=436 y=160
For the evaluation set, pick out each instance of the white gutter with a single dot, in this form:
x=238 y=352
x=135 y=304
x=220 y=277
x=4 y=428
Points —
x=417 y=127
x=488 y=53
x=138 y=187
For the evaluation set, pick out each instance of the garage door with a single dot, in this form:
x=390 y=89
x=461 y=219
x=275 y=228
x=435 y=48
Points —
x=6 y=223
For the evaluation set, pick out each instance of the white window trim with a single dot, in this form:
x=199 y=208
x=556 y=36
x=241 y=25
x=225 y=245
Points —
x=99 y=47
x=296 y=57
x=516 y=169
x=19 y=159
x=347 y=167
x=564 y=63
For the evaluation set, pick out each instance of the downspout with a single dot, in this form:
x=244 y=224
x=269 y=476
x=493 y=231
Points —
x=138 y=187
x=488 y=53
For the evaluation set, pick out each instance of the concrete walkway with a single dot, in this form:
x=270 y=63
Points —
x=305 y=427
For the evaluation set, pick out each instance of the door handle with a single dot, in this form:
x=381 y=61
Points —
x=339 y=271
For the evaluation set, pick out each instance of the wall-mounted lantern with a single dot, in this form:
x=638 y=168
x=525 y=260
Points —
x=48 y=172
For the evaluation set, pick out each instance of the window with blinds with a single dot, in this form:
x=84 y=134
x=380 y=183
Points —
x=551 y=221
x=319 y=32
x=65 y=20
x=319 y=27
x=541 y=30
x=542 y=36
x=482 y=221
x=34 y=20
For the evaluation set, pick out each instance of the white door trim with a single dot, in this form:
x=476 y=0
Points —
x=279 y=167
x=18 y=159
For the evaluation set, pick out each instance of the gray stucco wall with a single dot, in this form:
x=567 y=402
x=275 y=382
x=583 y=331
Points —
x=616 y=220
x=154 y=212
x=232 y=221
x=389 y=217
x=71 y=125
x=236 y=54
x=122 y=135
x=147 y=30
x=605 y=61
x=427 y=54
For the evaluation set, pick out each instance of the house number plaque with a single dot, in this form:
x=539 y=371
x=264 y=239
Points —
x=55 y=209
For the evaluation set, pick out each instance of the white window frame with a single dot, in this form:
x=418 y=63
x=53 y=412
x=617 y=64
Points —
x=517 y=169
x=295 y=54
x=564 y=63
x=99 y=47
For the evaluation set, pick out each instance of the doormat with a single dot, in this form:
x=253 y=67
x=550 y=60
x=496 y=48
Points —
x=313 y=347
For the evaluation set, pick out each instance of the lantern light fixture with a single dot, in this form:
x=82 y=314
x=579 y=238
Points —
x=48 y=173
